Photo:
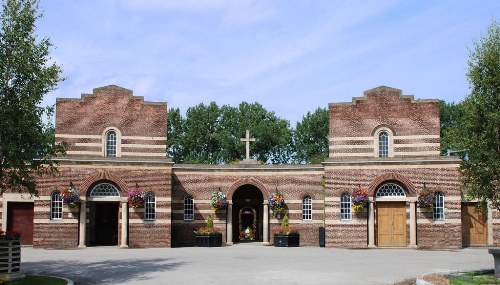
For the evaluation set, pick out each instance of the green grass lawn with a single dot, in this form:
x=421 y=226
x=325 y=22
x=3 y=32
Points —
x=474 y=278
x=38 y=280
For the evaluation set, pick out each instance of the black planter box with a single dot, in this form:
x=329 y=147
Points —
x=209 y=241
x=286 y=241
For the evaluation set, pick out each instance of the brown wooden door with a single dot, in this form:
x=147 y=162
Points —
x=391 y=223
x=474 y=229
x=20 y=219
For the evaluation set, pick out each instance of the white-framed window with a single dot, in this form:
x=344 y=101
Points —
x=188 y=208
x=56 y=206
x=150 y=207
x=307 y=208
x=111 y=144
x=438 y=208
x=345 y=207
x=383 y=144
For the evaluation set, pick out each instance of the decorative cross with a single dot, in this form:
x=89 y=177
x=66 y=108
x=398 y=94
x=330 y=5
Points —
x=248 y=140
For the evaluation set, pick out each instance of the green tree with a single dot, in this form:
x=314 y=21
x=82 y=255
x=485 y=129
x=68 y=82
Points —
x=311 y=137
x=27 y=73
x=451 y=118
x=175 y=136
x=201 y=141
x=211 y=134
x=481 y=171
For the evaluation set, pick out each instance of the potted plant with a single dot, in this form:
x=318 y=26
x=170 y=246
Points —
x=218 y=201
x=70 y=197
x=277 y=203
x=136 y=198
x=10 y=252
x=286 y=236
x=426 y=198
x=359 y=200
x=208 y=236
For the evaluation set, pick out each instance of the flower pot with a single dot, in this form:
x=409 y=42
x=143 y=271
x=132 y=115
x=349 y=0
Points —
x=209 y=241
x=10 y=256
x=286 y=241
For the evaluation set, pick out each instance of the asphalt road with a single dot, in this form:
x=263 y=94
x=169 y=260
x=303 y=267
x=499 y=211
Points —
x=249 y=264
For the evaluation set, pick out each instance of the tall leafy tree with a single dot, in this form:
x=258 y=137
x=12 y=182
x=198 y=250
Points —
x=175 y=136
x=452 y=132
x=481 y=171
x=311 y=137
x=211 y=134
x=27 y=73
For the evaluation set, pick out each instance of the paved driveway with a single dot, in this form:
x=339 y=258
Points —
x=248 y=264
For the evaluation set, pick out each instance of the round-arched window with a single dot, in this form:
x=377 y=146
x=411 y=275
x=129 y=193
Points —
x=104 y=190
x=390 y=190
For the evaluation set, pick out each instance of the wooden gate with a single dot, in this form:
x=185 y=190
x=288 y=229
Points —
x=391 y=223
x=20 y=219
x=474 y=228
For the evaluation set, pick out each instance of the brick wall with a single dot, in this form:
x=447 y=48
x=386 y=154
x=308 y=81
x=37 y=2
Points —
x=413 y=125
x=141 y=127
x=199 y=181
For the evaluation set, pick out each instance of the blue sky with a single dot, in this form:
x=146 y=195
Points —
x=290 y=56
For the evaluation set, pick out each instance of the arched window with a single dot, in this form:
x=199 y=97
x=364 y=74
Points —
x=188 y=208
x=345 y=207
x=383 y=144
x=56 y=205
x=111 y=144
x=104 y=190
x=150 y=207
x=307 y=208
x=438 y=207
x=390 y=190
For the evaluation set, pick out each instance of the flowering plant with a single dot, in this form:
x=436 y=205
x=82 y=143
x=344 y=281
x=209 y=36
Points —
x=136 y=198
x=219 y=201
x=426 y=198
x=208 y=230
x=285 y=229
x=276 y=202
x=70 y=197
x=10 y=235
x=359 y=199
x=248 y=233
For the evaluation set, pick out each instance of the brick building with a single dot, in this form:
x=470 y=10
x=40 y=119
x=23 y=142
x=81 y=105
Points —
x=383 y=142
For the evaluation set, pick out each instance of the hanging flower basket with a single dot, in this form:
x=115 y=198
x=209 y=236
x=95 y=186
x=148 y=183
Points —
x=359 y=200
x=136 y=198
x=218 y=201
x=426 y=199
x=70 y=197
x=277 y=204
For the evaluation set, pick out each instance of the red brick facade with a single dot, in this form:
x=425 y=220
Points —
x=380 y=138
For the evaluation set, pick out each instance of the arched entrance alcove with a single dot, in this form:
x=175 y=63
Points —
x=391 y=201
x=104 y=205
x=247 y=212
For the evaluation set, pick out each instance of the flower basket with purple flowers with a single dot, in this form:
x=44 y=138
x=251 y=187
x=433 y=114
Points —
x=359 y=200
x=70 y=197
x=426 y=198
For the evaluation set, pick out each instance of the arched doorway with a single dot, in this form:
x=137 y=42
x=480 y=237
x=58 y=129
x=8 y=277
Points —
x=391 y=215
x=104 y=206
x=247 y=214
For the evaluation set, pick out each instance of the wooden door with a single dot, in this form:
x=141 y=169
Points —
x=391 y=223
x=474 y=229
x=20 y=219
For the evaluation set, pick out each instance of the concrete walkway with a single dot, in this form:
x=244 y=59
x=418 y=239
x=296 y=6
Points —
x=248 y=264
